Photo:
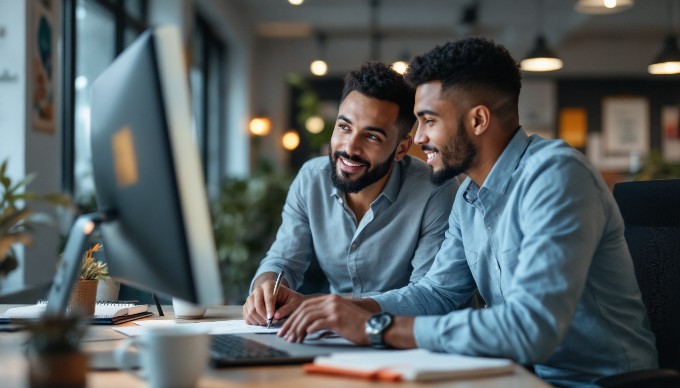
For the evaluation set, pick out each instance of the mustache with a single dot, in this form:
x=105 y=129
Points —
x=429 y=148
x=345 y=155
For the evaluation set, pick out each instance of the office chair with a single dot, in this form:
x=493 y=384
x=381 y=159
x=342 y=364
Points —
x=651 y=214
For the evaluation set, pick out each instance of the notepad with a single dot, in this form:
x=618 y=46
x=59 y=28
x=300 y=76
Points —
x=104 y=312
x=407 y=365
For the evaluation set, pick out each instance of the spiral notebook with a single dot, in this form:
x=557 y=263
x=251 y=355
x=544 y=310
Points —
x=105 y=313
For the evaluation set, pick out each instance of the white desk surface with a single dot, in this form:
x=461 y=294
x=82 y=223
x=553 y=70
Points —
x=13 y=367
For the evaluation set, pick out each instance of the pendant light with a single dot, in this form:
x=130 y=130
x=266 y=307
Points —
x=319 y=67
x=668 y=60
x=541 y=57
x=602 y=7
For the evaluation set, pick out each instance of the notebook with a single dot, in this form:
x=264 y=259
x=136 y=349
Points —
x=105 y=313
x=408 y=365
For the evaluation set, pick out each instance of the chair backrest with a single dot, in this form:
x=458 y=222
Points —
x=651 y=213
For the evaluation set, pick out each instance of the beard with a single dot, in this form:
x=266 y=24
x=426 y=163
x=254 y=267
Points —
x=457 y=156
x=343 y=182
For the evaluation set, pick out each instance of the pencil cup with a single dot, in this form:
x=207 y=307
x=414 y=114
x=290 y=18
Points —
x=186 y=310
x=168 y=356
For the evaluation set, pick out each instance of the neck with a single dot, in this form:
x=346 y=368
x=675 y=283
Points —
x=488 y=154
x=360 y=202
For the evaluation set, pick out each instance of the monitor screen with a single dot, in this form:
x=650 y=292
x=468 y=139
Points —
x=149 y=182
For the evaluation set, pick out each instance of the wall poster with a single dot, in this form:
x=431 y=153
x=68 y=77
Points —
x=43 y=66
x=625 y=125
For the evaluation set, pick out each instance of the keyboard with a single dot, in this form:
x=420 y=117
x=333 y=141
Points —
x=232 y=350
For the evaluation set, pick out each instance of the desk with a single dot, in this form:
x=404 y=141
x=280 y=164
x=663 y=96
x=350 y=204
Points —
x=103 y=339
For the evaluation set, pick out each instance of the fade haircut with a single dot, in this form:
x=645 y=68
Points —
x=473 y=65
x=378 y=80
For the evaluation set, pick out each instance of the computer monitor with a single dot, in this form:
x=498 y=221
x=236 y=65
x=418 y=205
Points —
x=151 y=196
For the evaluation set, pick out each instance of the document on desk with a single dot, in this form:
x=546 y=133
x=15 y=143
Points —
x=407 y=365
x=232 y=326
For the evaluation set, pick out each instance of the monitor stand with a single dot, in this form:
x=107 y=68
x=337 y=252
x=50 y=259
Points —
x=68 y=272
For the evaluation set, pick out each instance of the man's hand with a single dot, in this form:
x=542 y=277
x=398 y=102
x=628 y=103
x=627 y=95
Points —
x=329 y=312
x=261 y=303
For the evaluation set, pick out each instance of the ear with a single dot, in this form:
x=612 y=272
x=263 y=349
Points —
x=403 y=147
x=479 y=117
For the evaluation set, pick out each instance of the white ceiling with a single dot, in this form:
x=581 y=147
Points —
x=620 y=43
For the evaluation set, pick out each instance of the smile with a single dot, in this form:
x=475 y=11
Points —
x=349 y=163
x=431 y=154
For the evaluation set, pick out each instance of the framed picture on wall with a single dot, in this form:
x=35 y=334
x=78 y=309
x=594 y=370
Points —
x=625 y=125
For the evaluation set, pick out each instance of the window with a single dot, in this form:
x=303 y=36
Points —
x=95 y=32
x=208 y=101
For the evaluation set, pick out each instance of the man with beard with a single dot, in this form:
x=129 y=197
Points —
x=370 y=217
x=534 y=227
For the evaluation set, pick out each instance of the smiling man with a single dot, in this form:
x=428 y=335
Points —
x=534 y=227
x=370 y=216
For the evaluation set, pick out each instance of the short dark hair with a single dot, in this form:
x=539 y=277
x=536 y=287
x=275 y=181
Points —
x=378 y=80
x=471 y=63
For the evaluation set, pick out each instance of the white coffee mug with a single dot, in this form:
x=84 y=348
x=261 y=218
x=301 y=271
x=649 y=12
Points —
x=168 y=356
x=187 y=310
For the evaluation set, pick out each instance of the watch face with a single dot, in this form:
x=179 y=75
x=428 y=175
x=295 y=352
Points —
x=379 y=322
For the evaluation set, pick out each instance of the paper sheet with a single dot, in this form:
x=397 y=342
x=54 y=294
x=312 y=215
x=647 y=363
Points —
x=232 y=326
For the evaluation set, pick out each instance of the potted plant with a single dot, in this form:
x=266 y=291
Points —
x=246 y=215
x=84 y=295
x=53 y=352
x=16 y=218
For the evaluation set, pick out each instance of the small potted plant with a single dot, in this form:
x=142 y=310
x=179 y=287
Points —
x=53 y=352
x=16 y=218
x=84 y=294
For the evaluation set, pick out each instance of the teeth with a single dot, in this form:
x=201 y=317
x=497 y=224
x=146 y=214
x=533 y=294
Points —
x=351 y=164
x=431 y=155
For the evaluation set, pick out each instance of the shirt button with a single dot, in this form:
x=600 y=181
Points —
x=488 y=229
x=340 y=201
x=497 y=268
x=354 y=246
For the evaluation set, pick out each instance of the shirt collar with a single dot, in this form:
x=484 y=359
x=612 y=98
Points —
x=501 y=173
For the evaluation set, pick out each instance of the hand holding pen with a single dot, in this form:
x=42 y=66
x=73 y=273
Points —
x=277 y=285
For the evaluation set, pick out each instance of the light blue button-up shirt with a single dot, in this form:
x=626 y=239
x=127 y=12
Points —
x=394 y=243
x=543 y=240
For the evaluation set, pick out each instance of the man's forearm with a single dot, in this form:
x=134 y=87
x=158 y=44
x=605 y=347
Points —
x=368 y=304
x=400 y=334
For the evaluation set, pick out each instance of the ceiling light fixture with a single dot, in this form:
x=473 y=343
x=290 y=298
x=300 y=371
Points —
x=602 y=7
x=296 y=2
x=401 y=64
x=260 y=126
x=319 y=67
x=668 y=60
x=541 y=57
x=290 y=140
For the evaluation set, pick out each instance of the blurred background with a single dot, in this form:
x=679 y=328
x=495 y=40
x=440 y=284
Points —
x=261 y=109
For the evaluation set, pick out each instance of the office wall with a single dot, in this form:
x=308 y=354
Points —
x=583 y=57
x=31 y=144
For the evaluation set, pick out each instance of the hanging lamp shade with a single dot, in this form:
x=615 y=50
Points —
x=668 y=60
x=541 y=57
x=602 y=7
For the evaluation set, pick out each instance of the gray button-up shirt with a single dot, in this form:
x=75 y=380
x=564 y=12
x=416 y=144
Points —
x=394 y=244
x=543 y=240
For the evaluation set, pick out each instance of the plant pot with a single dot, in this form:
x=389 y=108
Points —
x=83 y=297
x=108 y=290
x=58 y=370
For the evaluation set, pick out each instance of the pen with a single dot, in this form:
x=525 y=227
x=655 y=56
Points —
x=276 y=291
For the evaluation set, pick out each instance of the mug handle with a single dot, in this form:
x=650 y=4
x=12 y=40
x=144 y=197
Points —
x=122 y=357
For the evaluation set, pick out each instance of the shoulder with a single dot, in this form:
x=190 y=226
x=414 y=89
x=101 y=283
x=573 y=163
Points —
x=543 y=153
x=315 y=168
x=556 y=161
x=417 y=172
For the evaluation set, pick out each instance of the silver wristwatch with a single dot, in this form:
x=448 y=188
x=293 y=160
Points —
x=375 y=329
